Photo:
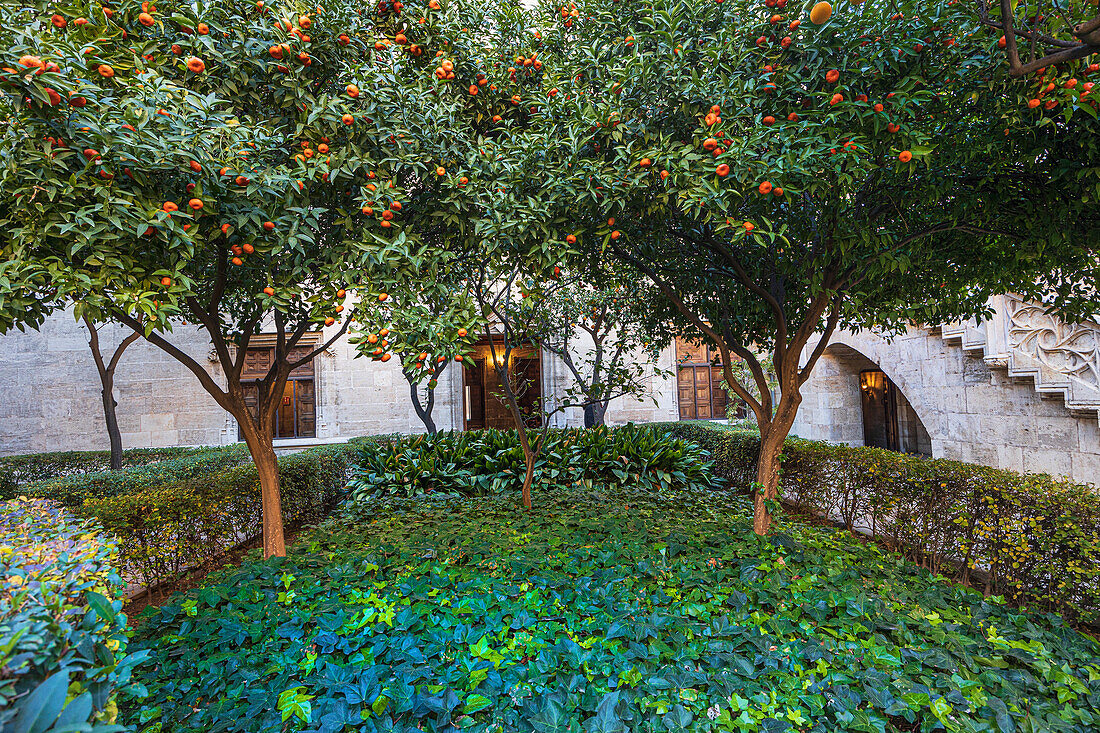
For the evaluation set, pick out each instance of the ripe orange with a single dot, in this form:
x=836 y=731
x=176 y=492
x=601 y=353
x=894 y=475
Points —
x=765 y=187
x=237 y=261
x=105 y=71
x=386 y=357
x=905 y=156
x=458 y=357
x=383 y=297
x=348 y=119
x=832 y=76
x=58 y=21
x=440 y=171
x=246 y=247
x=329 y=321
x=353 y=91
x=616 y=234
x=748 y=225
x=340 y=293
x=195 y=204
x=145 y=19
x=170 y=206
x=166 y=281
x=196 y=65
x=821 y=12
x=269 y=290
x=269 y=225
x=462 y=333
x=836 y=99
x=31 y=62
x=722 y=170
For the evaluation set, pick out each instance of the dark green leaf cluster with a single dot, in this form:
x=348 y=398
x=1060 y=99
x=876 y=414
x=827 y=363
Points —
x=482 y=462
x=1029 y=537
x=602 y=610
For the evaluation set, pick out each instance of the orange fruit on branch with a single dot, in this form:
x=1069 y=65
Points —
x=821 y=12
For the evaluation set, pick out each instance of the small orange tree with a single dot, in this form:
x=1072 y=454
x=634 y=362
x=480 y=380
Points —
x=427 y=321
x=780 y=171
x=236 y=167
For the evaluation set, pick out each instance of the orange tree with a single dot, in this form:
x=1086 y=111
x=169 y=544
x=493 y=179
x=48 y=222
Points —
x=235 y=167
x=780 y=171
x=432 y=322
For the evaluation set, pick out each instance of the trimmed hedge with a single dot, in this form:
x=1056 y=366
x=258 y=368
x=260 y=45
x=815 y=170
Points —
x=73 y=490
x=1029 y=537
x=16 y=472
x=476 y=463
x=62 y=637
x=166 y=528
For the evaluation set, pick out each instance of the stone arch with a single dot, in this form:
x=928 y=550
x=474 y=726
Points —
x=832 y=407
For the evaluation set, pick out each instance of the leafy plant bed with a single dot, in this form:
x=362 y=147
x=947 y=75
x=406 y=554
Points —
x=599 y=610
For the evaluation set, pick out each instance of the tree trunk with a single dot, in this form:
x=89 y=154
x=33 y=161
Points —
x=107 y=383
x=261 y=446
x=111 y=418
x=529 y=477
x=772 y=437
x=589 y=416
x=424 y=412
x=599 y=414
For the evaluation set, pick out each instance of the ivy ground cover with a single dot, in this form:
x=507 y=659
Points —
x=599 y=611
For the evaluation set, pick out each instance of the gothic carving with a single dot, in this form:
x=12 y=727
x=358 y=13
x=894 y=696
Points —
x=1070 y=349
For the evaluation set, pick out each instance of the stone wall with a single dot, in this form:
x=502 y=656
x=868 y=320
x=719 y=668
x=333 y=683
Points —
x=971 y=412
x=50 y=394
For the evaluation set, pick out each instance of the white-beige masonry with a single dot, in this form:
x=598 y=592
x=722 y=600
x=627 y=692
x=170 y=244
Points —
x=1019 y=391
x=50 y=394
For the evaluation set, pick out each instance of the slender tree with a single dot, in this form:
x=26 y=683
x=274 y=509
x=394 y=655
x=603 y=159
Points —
x=106 y=369
x=426 y=322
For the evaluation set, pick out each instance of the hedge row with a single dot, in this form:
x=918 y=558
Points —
x=1029 y=537
x=166 y=528
x=481 y=462
x=17 y=472
x=62 y=637
x=74 y=489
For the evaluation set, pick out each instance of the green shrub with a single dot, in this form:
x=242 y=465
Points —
x=16 y=472
x=166 y=528
x=62 y=638
x=1028 y=537
x=73 y=490
x=475 y=463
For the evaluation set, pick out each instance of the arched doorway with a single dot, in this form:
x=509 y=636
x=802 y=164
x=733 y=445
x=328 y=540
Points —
x=889 y=421
x=852 y=400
